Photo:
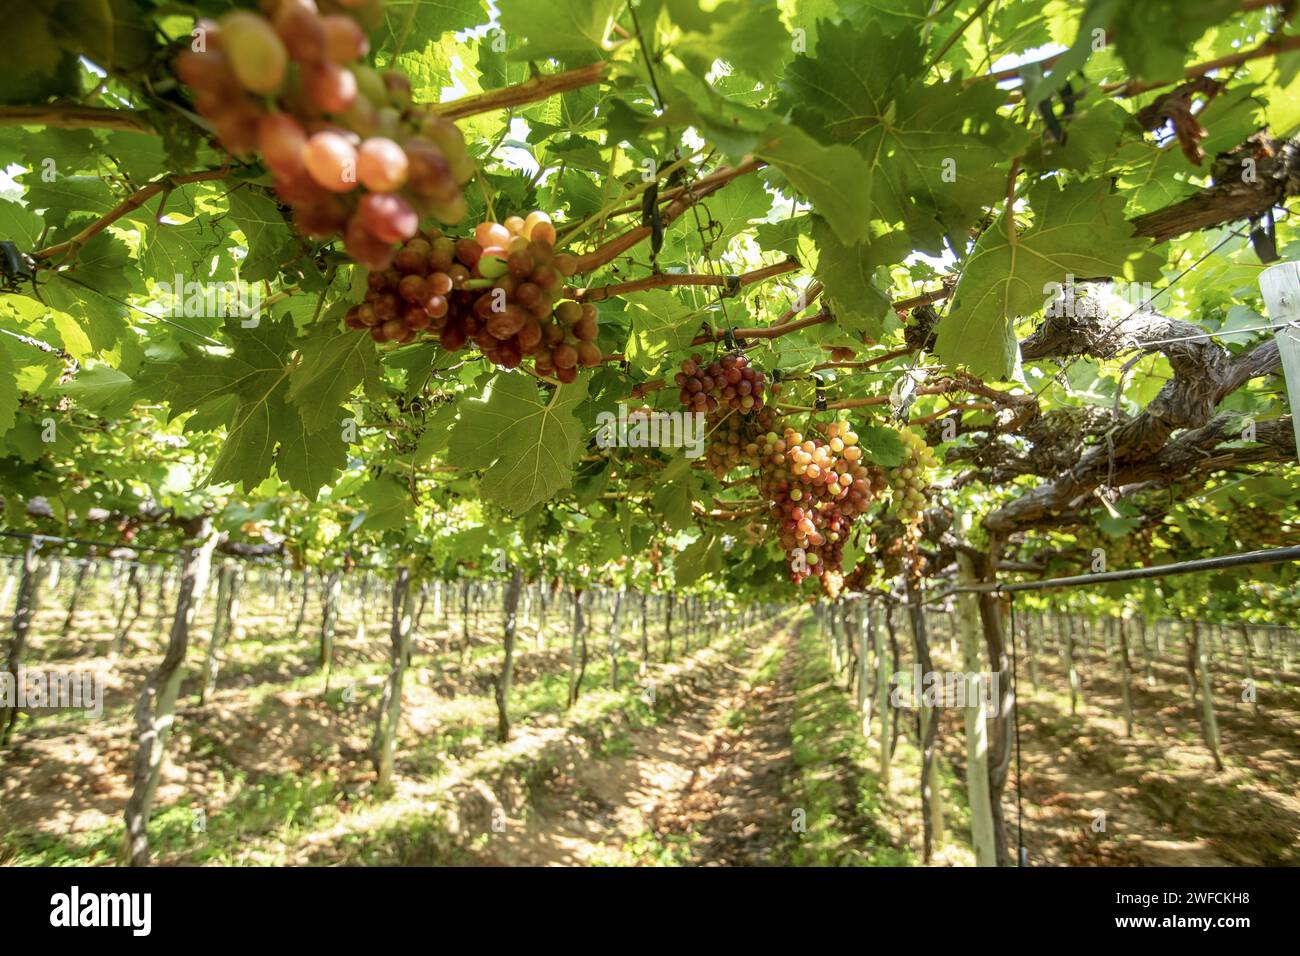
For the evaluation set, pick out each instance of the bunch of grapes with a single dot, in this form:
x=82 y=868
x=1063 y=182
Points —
x=499 y=289
x=347 y=150
x=728 y=382
x=816 y=488
x=735 y=437
x=909 y=479
x=1255 y=527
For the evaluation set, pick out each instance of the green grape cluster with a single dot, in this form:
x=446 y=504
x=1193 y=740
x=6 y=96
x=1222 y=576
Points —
x=909 y=479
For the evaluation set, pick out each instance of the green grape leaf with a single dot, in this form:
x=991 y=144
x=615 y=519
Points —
x=847 y=273
x=1079 y=230
x=270 y=240
x=9 y=394
x=565 y=29
x=102 y=390
x=333 y=363
x=836 y=179
x=661 y=323
x=388 y=506
x=308 y=460
x=525 y=441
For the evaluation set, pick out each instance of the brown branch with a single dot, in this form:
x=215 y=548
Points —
x=530 y=91
x=130 y=204
x=1270 y=47
x=810 y=295
x=662 y=279
x=76 y=116
x=692 y=194
x=1204 y=374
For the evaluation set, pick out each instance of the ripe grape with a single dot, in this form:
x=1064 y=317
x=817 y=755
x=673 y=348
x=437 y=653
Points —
x=381 y=164
x=265 y=84
x=332 y=161
x=256 y=52
x=495 y=296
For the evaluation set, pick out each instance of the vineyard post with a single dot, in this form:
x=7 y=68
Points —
x=645 y=636
x=24 y=613
x=1209 y=723
x=302 y=603
x=884 y=703
x=671 y=599
x=1146 y=651
x=223 y=622
x=1191 y=653
x=329 y=615
x=464 y=622
x=1076 y=689
x=1033 y=631
x=895 y=720
x=864 y=639
x=123 y=624
x=74 y=601
x=11 y=582
x=1125 y=677
x=390 y=704
x=573 y=648
x=160 y=618
x=969 y=628
x=931 y=797
x=155 y=706
x=615 y=634
x=1249 y=665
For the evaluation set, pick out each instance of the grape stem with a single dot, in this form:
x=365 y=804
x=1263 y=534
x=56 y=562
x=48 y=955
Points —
x=662 y=279
x=163 y=184
x=691 y=194
x=76 y=116
x=529 y=91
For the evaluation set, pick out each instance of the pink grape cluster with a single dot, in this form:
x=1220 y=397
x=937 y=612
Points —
x=348 y=152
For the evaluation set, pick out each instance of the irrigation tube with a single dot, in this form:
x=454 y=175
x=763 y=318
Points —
x=1268 y=556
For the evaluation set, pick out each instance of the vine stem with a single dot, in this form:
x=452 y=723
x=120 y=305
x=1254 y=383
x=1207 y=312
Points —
x=956 y=34
x=692 y=194
x=530 y=91
x=809 y=296
x=866 y=402
x=776 y=331
x=76 y=116
x=662 y=279
x=129 y=204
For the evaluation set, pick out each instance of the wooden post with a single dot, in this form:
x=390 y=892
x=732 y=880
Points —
x=1280 y=285
x=223 y=622
x=1125 y=677
x=24 y=612
x=155 y=707
x=390 y=705
x=983 y=838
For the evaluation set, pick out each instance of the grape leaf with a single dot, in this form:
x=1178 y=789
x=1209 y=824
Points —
x=526 y=442
x=661 y=323
x=103 y=390
x=565 y=29
x=308 y=459
x=8 y=389
x=746 y=33
x=270 y=243
x=846 y=272
x=936 y=149
x=19 y=225
x=1079 y=230
x=836 y=179
x=334 y=362
x=388 y=506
